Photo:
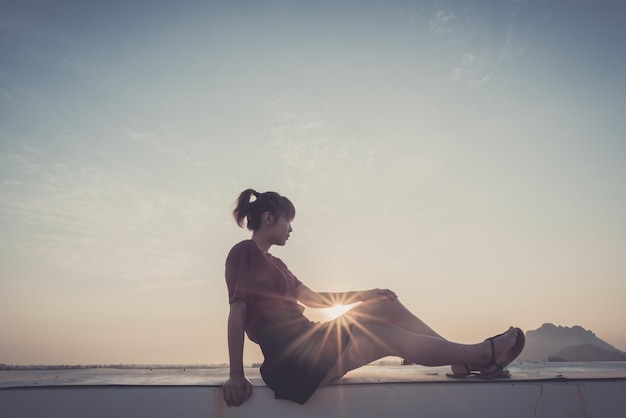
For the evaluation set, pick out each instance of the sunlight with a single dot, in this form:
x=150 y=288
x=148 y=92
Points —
x=335 y=311
x=328 y=314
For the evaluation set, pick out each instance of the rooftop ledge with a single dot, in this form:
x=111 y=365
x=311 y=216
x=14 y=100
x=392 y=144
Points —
x=550 y=390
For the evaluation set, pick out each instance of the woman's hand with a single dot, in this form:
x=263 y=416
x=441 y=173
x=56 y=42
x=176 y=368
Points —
x=377 y=294
x=237 y=390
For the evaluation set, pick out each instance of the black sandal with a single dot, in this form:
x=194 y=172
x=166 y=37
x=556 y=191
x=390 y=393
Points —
x=499 y=371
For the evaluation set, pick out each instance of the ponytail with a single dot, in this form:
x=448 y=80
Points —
x=251 y=211
x=242 y=206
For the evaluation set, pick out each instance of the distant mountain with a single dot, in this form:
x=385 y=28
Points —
x=556 y=343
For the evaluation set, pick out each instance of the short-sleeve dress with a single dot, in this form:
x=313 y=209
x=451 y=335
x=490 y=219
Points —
x=298 y=353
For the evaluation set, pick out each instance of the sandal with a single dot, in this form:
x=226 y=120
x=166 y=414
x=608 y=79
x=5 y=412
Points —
x=515 y=351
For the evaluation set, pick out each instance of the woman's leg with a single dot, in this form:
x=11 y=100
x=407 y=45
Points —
x=390 y=312
x=393 y=311
x=371 y=341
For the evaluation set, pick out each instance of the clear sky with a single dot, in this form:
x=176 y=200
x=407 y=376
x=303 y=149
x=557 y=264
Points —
x=468 y=155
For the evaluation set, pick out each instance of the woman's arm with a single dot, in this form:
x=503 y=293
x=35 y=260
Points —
x=237 y=389
x=314 y=299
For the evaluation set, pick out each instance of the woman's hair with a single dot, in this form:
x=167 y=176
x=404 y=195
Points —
x=252 y=211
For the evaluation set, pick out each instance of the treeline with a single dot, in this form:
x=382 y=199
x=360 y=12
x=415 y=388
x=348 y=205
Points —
x=46 y=367
x=110 y=366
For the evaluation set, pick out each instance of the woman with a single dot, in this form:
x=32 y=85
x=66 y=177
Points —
x=300 y=355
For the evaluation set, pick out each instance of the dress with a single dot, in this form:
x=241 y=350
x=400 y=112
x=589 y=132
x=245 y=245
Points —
x=297 y=353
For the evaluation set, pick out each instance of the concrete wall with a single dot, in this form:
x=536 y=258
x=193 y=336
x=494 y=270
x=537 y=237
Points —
x=602 y=398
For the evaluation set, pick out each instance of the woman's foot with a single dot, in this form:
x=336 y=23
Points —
x=502 y=349
x=499 y=352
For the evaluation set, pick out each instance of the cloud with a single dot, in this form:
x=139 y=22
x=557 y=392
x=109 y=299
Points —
x=474 y=70
x=174 y=147
x=441 y=22
x=308 y=142
x=152 y=139
x=477 y=82
x=98 y=220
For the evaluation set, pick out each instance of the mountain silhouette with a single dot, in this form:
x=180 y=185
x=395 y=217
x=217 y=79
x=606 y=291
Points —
x=557 y=343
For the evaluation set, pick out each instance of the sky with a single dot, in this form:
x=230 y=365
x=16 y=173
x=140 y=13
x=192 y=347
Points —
x=468 y=155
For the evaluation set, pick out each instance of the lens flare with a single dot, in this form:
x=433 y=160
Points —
x=336 y=311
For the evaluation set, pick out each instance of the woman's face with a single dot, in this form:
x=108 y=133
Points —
x=280 y=230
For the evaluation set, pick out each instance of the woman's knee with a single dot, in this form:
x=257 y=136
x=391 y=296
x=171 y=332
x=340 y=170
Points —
x=378 y=310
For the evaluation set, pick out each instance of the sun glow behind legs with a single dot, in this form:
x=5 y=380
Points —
x=328 y=314
x=337 y=310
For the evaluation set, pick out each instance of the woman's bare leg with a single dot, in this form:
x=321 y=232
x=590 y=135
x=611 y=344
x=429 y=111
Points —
x=393 y=311
x=371 y=341
x=390 y=312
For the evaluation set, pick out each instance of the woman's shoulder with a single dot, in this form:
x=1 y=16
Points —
x=244 y=247
x=246 y=243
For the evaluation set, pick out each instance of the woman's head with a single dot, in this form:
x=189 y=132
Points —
x=252 y=211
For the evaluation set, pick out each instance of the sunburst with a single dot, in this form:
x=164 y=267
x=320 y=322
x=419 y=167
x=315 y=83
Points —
x=336 y=311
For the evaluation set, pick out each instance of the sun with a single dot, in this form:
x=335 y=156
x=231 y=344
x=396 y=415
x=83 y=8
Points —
x=335 y=311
